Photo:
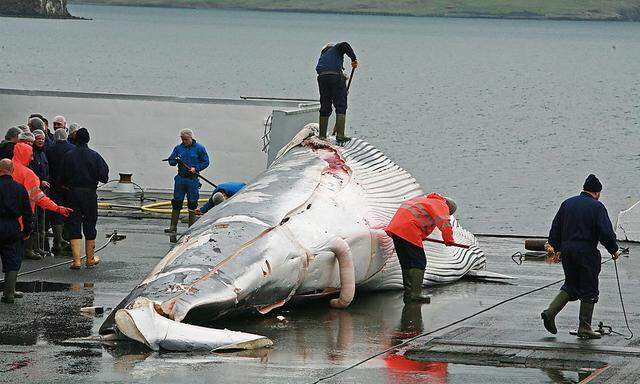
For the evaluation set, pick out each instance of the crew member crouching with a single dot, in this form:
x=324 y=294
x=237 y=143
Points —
x=222 y=192
x=410 y=226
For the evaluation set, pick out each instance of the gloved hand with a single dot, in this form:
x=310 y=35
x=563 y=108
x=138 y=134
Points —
x=197 y=212
x=64 y=211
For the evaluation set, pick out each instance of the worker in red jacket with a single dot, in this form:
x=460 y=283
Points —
x=22 y=155
x=410 y=226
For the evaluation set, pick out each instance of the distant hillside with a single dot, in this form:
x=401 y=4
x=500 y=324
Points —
x=516 y=9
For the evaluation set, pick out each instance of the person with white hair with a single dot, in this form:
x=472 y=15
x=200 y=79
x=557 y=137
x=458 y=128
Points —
x=59 y=122
x=333 y=88
x=47 y=132
x=73 y=128
x=35 y=123
x=190 y=158
x=27 y=138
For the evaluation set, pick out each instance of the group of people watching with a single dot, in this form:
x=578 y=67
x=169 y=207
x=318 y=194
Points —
x=58 y=174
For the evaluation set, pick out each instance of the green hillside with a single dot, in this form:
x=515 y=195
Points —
x=544 y=9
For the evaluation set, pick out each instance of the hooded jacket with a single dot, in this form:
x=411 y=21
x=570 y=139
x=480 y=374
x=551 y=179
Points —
x=418 y=217
x=22 y=154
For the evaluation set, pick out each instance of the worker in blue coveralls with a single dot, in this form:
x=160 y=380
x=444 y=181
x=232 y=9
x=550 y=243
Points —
x=191 y=158
x=581 y=222
x=222 y=192
x=333 y=88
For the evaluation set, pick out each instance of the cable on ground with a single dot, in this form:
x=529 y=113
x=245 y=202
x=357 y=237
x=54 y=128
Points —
x=467 y=318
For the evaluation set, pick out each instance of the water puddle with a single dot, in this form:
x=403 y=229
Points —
x=405 y=371
x=49 y=312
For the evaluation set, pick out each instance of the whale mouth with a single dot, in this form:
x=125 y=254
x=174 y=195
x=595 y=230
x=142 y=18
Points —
x=141 y=322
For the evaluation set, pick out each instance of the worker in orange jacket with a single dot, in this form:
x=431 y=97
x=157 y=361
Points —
x=410 y=226
x=22 y=155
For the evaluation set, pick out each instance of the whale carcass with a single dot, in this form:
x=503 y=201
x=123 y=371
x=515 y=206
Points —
x=311 y=225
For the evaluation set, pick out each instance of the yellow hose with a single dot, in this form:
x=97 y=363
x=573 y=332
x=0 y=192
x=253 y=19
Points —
x=154 y=207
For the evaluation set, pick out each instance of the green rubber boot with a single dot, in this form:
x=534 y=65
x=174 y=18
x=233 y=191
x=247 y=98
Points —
x=413 y=286
x=60 y=246
x=586 y=314
x=549 y=314
x=9 y=287
x=175 y=216
x=29 y=245
x=340 y=122
x=324 y=123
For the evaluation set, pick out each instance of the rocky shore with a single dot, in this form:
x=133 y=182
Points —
x=56 y=9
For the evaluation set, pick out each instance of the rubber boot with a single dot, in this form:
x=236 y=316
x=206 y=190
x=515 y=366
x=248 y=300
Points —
x=175 y=216
x=340 y=122
x=192 y=217
x=586 y=314
x=60 y=246
x=411 y=320
x=90 y=250
x=29 y=245
x=8 y=295
x=413 y=286
x=76 y=244
x=549 y=314
x=39 y=246
x=324 y=123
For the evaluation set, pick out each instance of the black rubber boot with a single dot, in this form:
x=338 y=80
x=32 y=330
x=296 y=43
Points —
x=40 y=246
x=549 y=314
x=29 y=245
x=323 y=123
x=586 y=314
x=413 y=286
x=340 y=122
x=175 y=216
x=9 y=287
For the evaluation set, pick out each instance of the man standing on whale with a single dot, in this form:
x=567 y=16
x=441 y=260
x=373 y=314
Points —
x=581 y=222
x=333 y=88
x=410 y=226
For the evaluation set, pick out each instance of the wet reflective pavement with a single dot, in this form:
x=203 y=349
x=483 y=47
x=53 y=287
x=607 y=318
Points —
x=312 y=341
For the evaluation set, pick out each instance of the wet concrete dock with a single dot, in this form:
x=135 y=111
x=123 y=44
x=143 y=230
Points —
x=504 y=345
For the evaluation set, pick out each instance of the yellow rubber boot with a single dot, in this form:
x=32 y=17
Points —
x=90 y=249
x=76 y=245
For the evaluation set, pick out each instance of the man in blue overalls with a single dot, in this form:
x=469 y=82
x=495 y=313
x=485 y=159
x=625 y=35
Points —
x=333 y=88
x=16 y=223
x=191 y=158
x=222 y=192
x=580 y=224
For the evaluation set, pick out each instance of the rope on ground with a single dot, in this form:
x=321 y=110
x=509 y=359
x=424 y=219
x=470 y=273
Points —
x=460 y=321
x=624 y=311
x=113 y=238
